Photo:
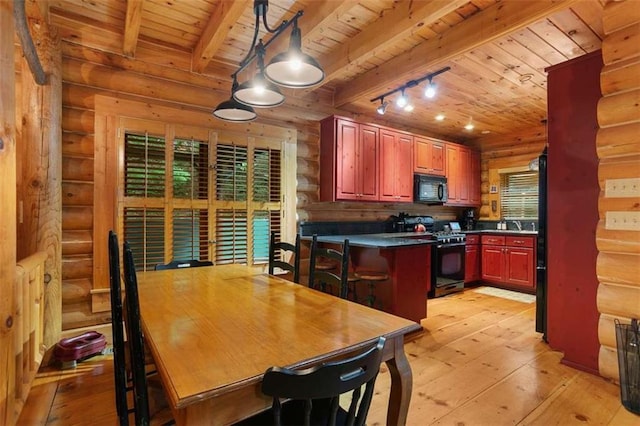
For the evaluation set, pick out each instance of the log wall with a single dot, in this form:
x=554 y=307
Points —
x=7 y=212
x=618 y=148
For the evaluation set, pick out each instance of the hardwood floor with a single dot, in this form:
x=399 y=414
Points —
x=479 y=362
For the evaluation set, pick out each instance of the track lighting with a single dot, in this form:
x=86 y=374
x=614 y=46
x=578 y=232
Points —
x=383 y=107
x=292 y=68
x=403 y=101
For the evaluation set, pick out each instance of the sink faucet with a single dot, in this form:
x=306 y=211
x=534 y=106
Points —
x=533 y=226
x=518 y=224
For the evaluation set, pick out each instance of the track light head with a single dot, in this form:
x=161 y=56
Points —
x=402 y=101
x=430 y=90
x=383 y=107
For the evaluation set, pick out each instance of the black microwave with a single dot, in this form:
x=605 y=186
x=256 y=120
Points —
x=429 y=189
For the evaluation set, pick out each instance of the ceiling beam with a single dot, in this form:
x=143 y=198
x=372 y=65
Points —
x=222 y=21
x=317 y=16
x=405 y=18
x=132 y=26
x=494 y=22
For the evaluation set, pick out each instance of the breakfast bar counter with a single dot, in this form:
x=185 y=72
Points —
x=405 y=257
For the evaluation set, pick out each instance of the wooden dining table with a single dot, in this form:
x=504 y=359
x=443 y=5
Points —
x=213 y=331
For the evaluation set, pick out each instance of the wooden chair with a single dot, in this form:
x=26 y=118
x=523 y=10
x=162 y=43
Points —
x=276 y=249
x=324 y=279
x=135 y=340
x=179 y=264
x=117 y=328
x=315 y=392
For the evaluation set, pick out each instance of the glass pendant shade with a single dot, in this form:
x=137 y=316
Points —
x=294 y=68
x=232 y=110
x=258 y=93
x=430 y=90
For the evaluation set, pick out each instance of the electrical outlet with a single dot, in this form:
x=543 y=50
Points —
x=622 y=221
x=622 y=188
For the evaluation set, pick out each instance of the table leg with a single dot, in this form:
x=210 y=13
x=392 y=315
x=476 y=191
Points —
x=401 y=384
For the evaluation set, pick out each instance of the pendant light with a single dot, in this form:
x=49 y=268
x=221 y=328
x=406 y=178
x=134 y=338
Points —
x=258 y=92
x=234 y=111
x=294 y=68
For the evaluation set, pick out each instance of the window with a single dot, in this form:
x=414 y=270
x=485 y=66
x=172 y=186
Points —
x=519 y=195
x=190 y=198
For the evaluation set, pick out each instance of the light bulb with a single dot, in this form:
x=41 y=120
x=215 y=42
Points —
x=469 y=126
x=440 y=117
x=408 y=108
x=402 y=101
x=430 y=90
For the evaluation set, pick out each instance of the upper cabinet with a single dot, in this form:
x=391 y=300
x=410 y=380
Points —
x=365 y=162
x=349 y=160
x=396 y=157
x=429 y=156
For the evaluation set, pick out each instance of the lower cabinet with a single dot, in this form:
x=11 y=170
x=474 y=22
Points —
x=509 y=260
x=472 y=259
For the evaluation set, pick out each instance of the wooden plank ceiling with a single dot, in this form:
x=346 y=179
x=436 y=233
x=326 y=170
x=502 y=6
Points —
x=497 y=50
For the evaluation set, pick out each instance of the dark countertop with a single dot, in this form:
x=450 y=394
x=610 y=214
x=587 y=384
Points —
x=384 y=240
x=503 y=231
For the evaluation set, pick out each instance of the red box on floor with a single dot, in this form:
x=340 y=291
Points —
x=80 y=347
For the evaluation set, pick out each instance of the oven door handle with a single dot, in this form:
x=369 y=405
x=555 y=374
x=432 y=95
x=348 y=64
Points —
x=451 y=245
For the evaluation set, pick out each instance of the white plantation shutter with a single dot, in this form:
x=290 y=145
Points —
x=519 y=195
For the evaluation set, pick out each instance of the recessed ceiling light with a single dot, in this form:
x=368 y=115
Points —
x=468 y=126
x=525 y=77
x=440 y=117
x=486 y=132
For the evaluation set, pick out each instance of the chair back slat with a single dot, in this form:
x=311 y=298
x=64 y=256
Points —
x=135 y=338
x=322 y=278
x=276 y=249
x=119 y=363
x=320 y=388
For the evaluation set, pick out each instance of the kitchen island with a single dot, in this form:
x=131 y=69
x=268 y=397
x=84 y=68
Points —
x=404 y=256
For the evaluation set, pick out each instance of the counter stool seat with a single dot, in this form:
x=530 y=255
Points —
x=372 y=277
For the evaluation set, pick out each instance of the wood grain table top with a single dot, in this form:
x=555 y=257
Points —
x=215 y=329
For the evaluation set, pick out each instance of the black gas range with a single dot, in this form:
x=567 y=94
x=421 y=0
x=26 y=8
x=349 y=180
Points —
x=448 y=255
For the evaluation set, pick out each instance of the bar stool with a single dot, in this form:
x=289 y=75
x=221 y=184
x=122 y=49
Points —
x=372 y=278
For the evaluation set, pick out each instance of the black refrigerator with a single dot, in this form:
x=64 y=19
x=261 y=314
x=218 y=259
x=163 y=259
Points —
x=541 y=254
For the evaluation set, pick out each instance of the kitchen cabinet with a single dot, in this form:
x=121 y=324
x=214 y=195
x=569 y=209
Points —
x=472 y=259
x=349 y=157
x=463 y=175
x=429 y=156
x=509 y=260
x=396 y=158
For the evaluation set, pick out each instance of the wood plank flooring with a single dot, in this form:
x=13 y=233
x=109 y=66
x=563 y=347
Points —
x=479 y=362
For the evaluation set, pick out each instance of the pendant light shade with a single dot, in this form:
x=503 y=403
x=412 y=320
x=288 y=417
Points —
x=232 y=110
x=294 y=68
x=259 y=93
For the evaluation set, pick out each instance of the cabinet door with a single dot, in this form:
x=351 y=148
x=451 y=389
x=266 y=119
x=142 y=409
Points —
x=404 y=176
x=464 y=175
x=453 y=178
x=367 y=173
x=519 y=266
x=472 y=264
x=438 y=158
x=347 y=178
x=492 y=263
x=475 y=193
x=387 y=165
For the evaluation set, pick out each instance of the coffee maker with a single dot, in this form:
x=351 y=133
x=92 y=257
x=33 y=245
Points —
x=469 y=219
